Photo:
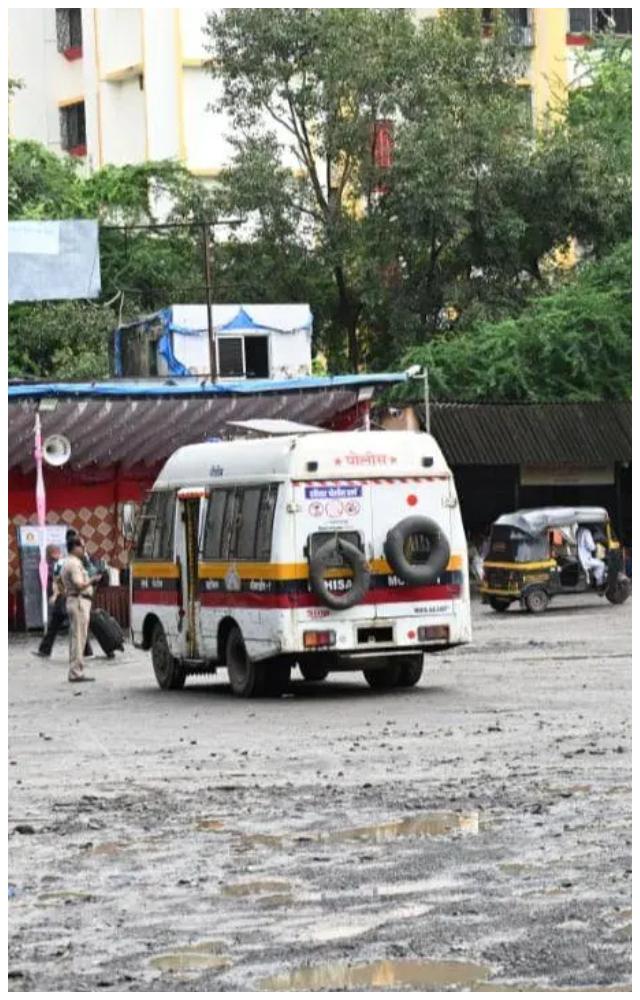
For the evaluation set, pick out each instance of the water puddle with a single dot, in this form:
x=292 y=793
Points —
x=110 y=847
x=426 y=975
x=268 y=886
x=529 y=988
x=66 y=896
x=435 y=824
x=210 y=825
x=205 y=955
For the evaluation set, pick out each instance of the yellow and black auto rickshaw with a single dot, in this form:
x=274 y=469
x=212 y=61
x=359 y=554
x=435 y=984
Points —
x=535 y=555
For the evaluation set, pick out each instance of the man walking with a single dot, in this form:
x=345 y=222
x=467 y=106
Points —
x=79 y=591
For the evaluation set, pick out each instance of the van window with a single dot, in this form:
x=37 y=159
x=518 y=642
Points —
x=268 y=498
x=213 y=526
x=156 y=526
x=239 y=523
x=247 y=522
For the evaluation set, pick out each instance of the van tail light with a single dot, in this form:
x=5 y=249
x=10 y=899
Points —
x=427 y=633
x=316 y=640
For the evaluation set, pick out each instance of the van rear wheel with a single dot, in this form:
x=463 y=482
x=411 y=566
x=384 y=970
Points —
x=170 y=674
x=383 y=678
x=313 y=672
x=410 y=671
x=247 y=679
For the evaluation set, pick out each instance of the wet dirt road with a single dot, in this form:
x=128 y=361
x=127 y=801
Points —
x=471 y=833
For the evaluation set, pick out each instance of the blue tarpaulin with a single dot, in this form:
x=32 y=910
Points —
x=189 y=386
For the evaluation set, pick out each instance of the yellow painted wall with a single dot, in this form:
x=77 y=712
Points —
x=549 y=68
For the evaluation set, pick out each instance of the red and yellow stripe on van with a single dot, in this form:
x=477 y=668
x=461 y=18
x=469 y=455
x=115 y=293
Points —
x=281 y=585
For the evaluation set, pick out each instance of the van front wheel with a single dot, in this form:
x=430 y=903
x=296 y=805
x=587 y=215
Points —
x=170 y=674
x=246 y=678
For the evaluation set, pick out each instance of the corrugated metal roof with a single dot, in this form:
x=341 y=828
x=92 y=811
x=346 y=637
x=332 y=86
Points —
x=104 y=431
x=532 y=433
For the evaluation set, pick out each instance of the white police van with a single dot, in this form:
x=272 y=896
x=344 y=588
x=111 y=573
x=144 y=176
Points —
x=328 y=551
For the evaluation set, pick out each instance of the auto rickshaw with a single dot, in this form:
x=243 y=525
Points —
x=534 y=556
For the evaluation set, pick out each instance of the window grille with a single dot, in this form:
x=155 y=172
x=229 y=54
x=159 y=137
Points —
x=73 y=133
x=68 y=28
x=588 y=20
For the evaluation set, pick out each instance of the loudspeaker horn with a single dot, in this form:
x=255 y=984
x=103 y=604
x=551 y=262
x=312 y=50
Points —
x=56 y=449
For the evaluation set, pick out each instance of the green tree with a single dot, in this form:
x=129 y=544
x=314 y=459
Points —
x=59 y=340
x=311 y=84
x=148 y=269
x=572 y=344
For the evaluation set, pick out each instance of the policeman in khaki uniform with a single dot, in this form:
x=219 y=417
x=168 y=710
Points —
x=79 y=592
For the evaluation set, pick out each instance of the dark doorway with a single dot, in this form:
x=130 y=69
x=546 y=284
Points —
x=256 y=353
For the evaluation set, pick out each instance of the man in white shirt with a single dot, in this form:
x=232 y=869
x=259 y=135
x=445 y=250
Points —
x=587 y=555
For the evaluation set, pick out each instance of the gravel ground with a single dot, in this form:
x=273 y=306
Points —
x=471 y=833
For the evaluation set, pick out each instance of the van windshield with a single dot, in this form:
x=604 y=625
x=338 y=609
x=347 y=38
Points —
x=510 y=545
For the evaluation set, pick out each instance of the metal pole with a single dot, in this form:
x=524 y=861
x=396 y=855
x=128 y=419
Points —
x=213 y=366
x=427 y=417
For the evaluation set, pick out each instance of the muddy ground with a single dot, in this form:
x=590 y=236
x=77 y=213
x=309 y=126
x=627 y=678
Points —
x=471 y=833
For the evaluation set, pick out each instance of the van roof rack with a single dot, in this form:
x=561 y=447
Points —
x=270 y=428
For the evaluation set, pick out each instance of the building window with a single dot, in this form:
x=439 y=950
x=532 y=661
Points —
x=73 y=133
x=69 y=31
x=243 y=357
x=520 y=24
x=590 y=20
x=230 y=357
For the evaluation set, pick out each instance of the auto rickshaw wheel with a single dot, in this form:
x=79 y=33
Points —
x=620 y=591
x=499 y=603
x=536 y=600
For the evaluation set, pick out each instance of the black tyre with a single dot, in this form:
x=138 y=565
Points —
x=397 y=549
x=324 y=559
x=499 y=604
x=410 y=671
x=170 y=673
x=276 y=678
x=383 y=678
x=313 y=672
x=247 y=679
x=536 y=600
x=620 y=590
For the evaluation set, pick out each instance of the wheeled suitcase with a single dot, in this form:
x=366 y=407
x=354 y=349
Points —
x=106 y=630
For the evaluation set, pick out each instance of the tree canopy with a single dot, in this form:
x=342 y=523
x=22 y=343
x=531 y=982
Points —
x=389 y=174
x=570 y=345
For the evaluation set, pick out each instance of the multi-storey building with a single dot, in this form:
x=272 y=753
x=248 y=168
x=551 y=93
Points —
x=125 y=85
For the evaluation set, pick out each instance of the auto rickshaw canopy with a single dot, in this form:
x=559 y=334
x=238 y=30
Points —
x=533 y=522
